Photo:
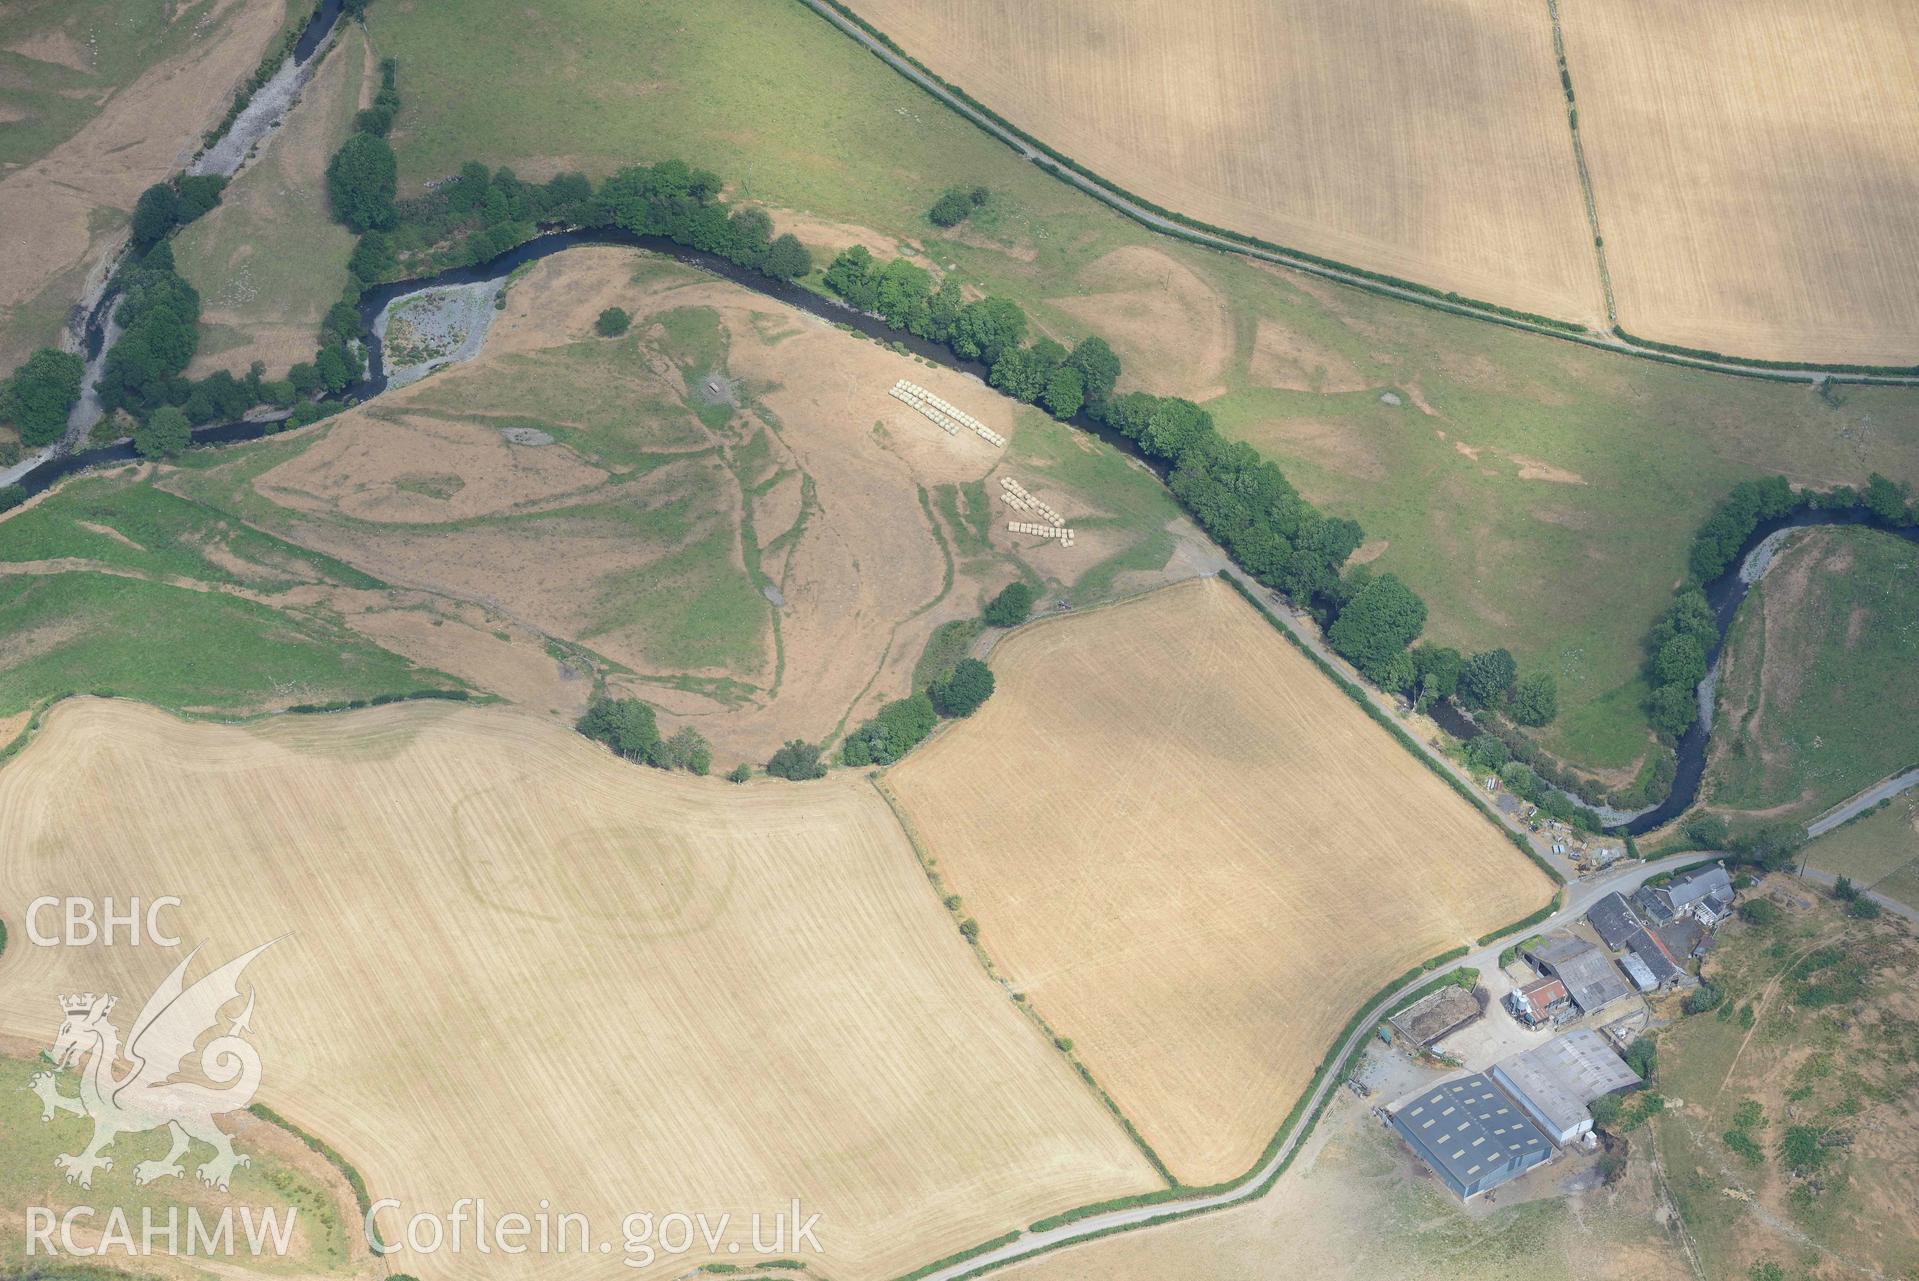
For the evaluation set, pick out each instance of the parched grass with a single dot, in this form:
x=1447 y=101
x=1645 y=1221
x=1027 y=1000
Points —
x=181 y=649
x=1569 y=572
x=697 y=608
x=117 y=40
x=271 y=254
x=28 y=1177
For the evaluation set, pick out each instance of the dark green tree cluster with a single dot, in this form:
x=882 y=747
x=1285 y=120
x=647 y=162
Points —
x=612 y=322
x=629 y=727
x=168 y=205
x=797 y=760
x=159 y=317
x=904 y=723
x=1012 y=605
x=681 y=203
x=962 y=692
x=11 y=496
x=40 y=395
x=900 y=727
x=1720 y=538
x=378 y=118
x=1677 y=651
x=165 y=433
x=956 y=205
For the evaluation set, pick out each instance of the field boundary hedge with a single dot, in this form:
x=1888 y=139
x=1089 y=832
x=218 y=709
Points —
x=1377 y=282
x=361 y=1197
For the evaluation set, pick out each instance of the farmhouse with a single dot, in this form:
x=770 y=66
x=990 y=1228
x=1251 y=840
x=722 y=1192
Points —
x=1435 y=1016
x=1540 y=1001
x=1588 y=974
x=1555 y=1081
x=1704 y=895
x=1613 y=918
x=1471 y=1134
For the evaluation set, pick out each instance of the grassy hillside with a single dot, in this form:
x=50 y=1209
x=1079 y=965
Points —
x=1539 y=495
x=1817 y=698
x=1879 y=851
x=1795 y=1141
x=114 y=586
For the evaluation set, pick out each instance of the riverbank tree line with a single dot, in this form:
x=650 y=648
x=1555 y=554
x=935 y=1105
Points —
x=1239 y=497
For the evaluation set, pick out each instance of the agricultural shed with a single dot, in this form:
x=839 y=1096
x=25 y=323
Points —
x=1589 y=976
x=1471 y=1134
x=1554 y=1082
x=1613 y=918
x=1642 y=978
x=1436 y=1015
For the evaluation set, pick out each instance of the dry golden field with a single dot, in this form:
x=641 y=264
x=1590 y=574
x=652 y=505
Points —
x=1756 y=168
x=1198 y=857
x=515 y=967
x=1427 y=140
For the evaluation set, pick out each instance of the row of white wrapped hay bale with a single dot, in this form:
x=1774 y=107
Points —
x=947 y=415
x=948 y=425
x=1015 y=495
x=1065 y=536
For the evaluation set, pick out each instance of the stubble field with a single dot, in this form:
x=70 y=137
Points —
x=1198 y=857
x=1427 y=141
x=1756 y=168
x=515 y=967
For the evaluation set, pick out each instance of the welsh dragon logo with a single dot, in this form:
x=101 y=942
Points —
x=148 y=1096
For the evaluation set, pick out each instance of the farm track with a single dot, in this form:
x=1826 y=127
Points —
x=1353 y=277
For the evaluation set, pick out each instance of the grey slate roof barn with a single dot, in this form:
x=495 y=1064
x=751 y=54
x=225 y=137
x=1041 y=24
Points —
x=1656 y=957
x=1472 y=1134
x=1613 y=918
x=1587 y=972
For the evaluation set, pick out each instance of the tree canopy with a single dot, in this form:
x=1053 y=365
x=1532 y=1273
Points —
x=165 y=434
x=1011 y=606
x=40 y=395
x=361 y=180
x=961 y=693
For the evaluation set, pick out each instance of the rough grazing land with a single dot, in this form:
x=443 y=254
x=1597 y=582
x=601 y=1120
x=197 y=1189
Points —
x=1756 y=168
x=517 y=968
x=1426 y=140
x=142 y=115
x=270 y=260
x=1198 y=857
x=1816 y=693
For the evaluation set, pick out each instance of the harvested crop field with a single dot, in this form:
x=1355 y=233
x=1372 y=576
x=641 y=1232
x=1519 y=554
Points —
x=1198 y=858
x=1425 y=140
x=1756 y=169
x=567 y=977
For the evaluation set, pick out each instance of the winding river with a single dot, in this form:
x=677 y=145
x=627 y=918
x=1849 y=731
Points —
x=1725 y=593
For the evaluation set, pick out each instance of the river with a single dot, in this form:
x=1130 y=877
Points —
x=1725 y=594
